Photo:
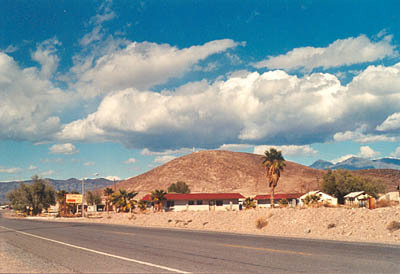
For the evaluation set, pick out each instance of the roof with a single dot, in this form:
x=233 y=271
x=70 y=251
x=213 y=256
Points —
x=354 y=194
x=279 y=196
x=199 y=196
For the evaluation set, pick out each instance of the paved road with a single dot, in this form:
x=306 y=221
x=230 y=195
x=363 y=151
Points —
x=94 y=248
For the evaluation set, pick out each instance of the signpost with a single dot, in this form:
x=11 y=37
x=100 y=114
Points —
x=74 y=198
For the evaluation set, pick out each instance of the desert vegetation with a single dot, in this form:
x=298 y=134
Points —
x=274 y=164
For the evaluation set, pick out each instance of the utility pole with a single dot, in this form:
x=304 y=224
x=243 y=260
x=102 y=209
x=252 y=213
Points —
x=83 y=196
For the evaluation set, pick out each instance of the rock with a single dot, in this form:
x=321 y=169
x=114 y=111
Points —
x=308 y=230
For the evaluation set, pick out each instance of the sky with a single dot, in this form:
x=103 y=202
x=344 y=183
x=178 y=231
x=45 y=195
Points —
x=113 y=89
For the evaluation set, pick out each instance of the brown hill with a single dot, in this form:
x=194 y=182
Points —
x=224 y=171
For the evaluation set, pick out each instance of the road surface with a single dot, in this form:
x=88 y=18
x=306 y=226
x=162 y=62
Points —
x=84 y=247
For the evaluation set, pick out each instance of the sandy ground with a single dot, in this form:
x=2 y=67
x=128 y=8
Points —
x=345 y=224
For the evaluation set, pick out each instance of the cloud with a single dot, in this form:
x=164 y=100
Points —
x=10 y=49
x=164 y=159
x=368 y=152
x=89 y=164
x=342 y=52
x=142 y=65
x=67 y=149
x=10 y=170
x=46 y=56
x=396 y=153
x=148 y=152
x=247 y=107
x=32 y=167
x=130 y=161
x=391 y=123
x=235 y=147
x=47 y=173
x=359 y=137
x=290 y=150
x=29 y=103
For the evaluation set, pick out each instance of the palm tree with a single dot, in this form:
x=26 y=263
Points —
x=108 y=192
x=274 y=164
x=61 y=199
x=124 y=200
x=158 y=196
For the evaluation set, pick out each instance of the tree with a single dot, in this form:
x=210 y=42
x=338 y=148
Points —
x=61 y=199
x=142 y=205
x=108 y=192
x=274 y=164
x=249 y=203
x=157 y=197
x=311 y=199
x=37 y=196
x=179 y=187
x=339 y=183
x=123 y=200
x=93 y=198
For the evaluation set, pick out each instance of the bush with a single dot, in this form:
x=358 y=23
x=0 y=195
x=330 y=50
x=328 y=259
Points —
x=283 y=203
x=393 y=226
x=249 y=203
x=261 y=222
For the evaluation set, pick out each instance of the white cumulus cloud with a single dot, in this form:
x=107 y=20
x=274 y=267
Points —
x=67 y=148
x=10 y=170
x=368 y=152
x=130 y=161
x=392 y=122
x=164 y=159
x=342 y=52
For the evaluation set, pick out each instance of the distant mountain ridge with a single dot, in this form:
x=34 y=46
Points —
x=358 y=163
x=69 y=185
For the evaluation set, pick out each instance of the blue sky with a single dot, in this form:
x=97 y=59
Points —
x=118 y=88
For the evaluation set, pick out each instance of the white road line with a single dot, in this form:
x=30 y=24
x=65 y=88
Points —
x=99 y=252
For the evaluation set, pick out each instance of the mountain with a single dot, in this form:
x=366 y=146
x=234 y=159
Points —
x=357 y=163
x=69 y=185
x=321 y=164
x=223 y=171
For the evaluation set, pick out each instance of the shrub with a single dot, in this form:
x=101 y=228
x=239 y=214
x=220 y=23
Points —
x=393 y=226
x=283 y=203
x=249 y=203
x=261 y=222
x=311 y=199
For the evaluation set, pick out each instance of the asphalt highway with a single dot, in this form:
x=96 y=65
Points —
x=97 y=248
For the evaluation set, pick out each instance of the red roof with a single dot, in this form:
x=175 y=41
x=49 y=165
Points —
x=279 y=196
x=199 y=196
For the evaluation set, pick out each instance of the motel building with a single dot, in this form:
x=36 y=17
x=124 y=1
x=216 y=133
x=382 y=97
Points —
x=199 y=201
x=264 y=201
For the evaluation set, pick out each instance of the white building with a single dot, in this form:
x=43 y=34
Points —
x=200 y=201
x=359 y=198
x=265 y=200
x=323 y=198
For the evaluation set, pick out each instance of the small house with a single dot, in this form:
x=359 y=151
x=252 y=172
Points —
x=359 y=198
x=200 y=201
x=323 y=198
x=265 y=200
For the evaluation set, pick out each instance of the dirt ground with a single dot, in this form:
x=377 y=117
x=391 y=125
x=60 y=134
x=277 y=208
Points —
x=381 y=225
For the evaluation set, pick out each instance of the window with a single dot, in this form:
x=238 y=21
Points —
x=191 y=202
x=219 y=203
x=199 y=202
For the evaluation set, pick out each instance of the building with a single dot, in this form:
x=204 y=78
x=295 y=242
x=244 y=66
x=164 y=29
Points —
x=265 y=200
x=200 y=201
x=323 y=198
x=359 y=198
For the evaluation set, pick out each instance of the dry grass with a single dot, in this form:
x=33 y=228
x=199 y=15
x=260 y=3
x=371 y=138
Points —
x=261 y=222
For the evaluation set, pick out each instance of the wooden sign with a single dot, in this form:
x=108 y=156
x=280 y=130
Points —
x=74 y=198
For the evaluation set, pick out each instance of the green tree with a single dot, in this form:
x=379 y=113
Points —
x=108 y=192
x=157 y=197
x=37 y=196
x=93 y=198
x=339 y=183
x=274 y=164
x=179 y=187
x=123 y=200
x=311 y=199
x=62 y=200
x=142 y=205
